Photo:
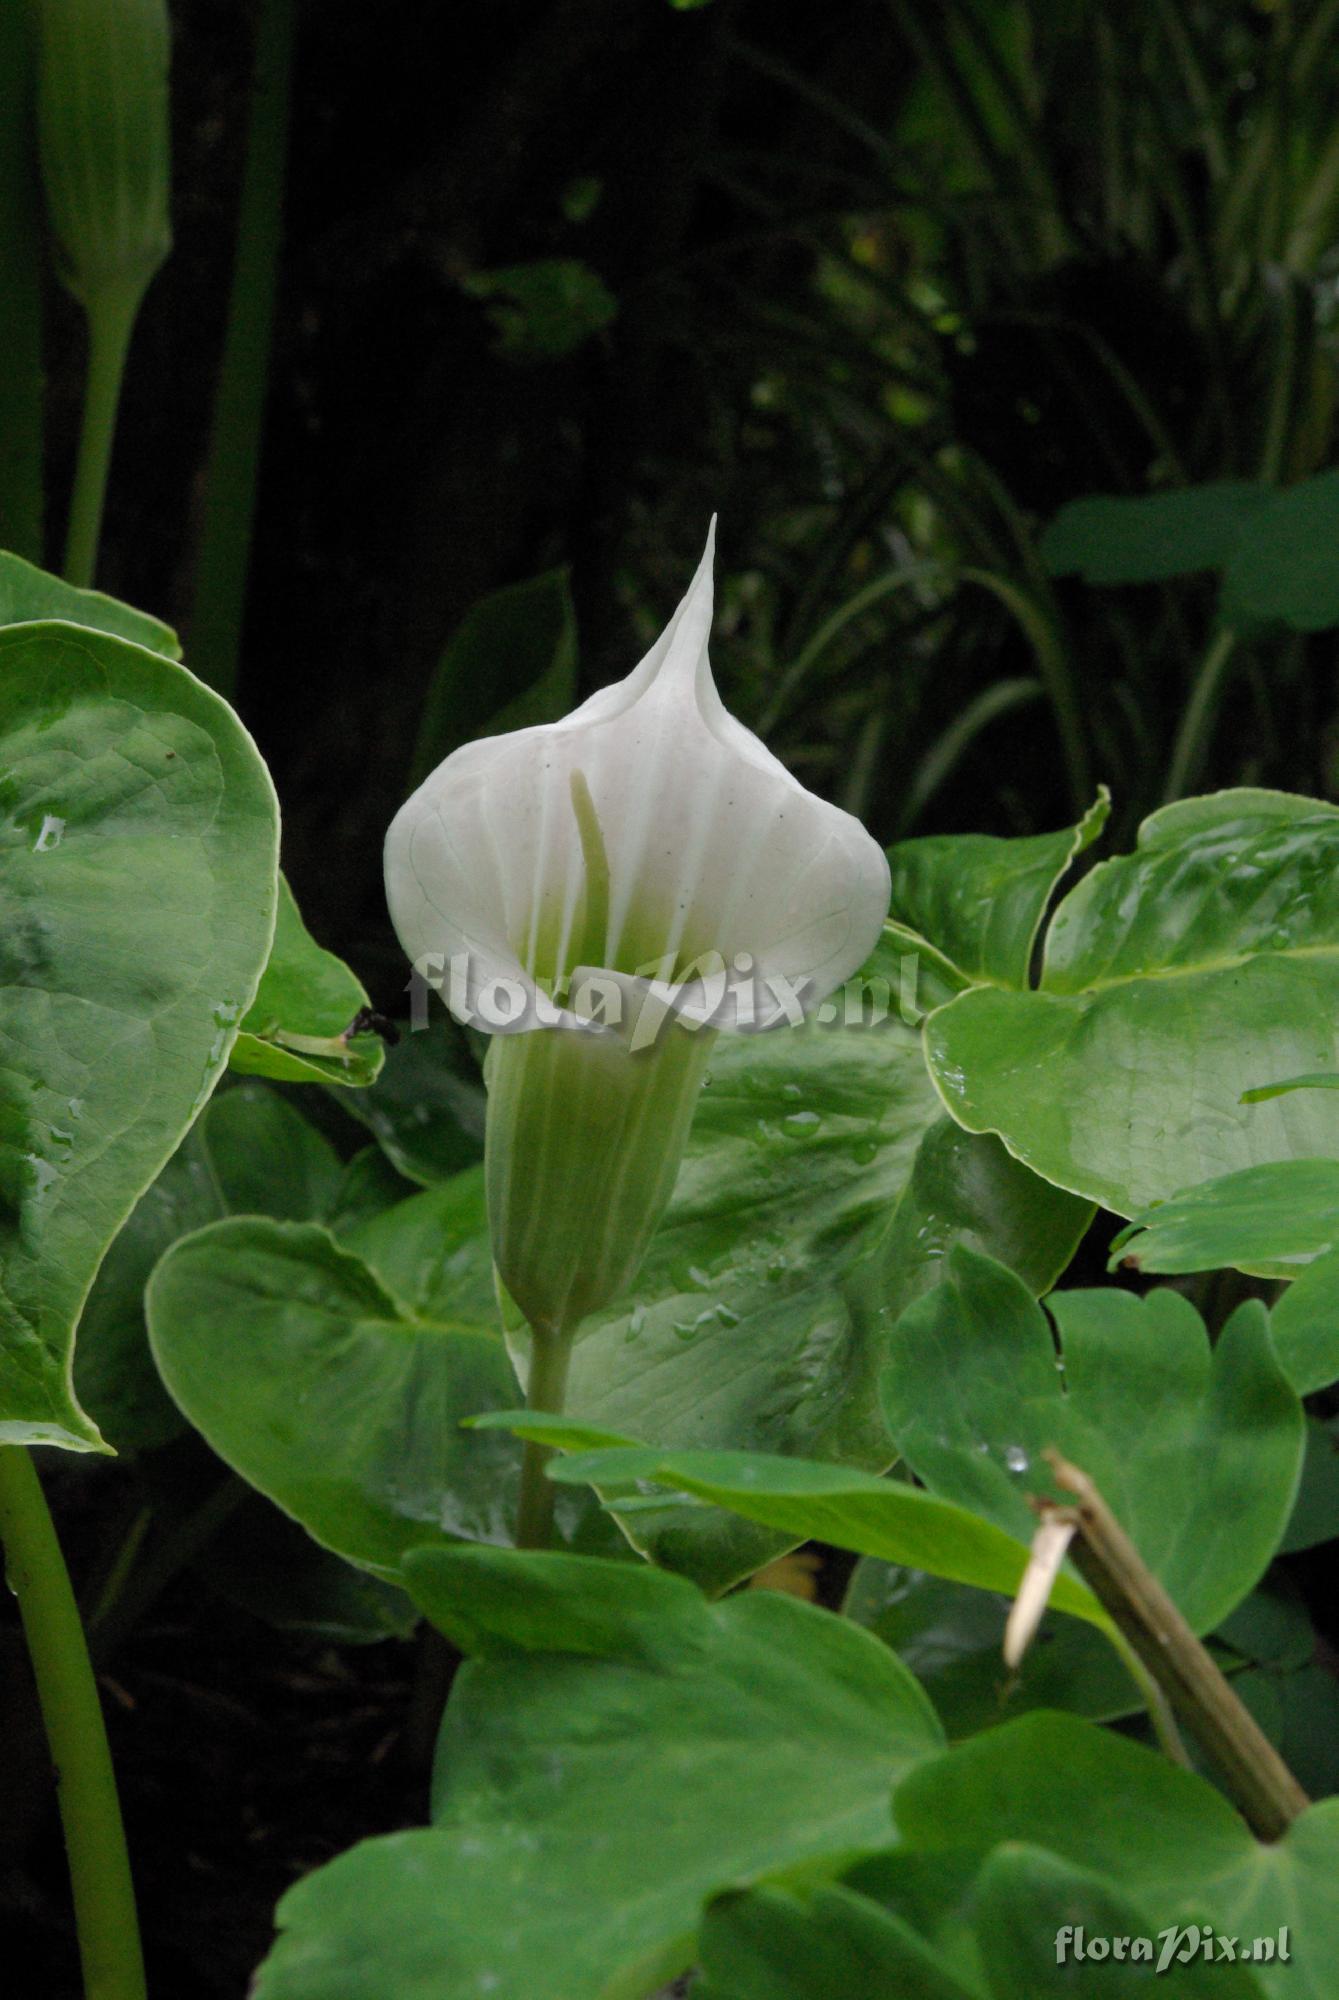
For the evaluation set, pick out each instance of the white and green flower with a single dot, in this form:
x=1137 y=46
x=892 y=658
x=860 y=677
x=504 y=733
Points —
x=603 y=894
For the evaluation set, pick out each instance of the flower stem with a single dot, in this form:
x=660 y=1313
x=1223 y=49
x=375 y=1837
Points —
x=111 y=318
x=550 y=1353
x=104 y=1897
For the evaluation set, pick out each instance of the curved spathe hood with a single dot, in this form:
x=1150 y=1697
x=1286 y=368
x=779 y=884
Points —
x=649 y=837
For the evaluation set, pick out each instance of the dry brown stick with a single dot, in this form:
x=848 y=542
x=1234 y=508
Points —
x=1269 y=1796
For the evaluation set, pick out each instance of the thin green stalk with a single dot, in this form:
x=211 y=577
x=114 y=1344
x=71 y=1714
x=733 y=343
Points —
x=1160 y=1711
x=239 y=407
x=104 y=1896
x=111 y=319
x=1198 y=718
x=550 y=1354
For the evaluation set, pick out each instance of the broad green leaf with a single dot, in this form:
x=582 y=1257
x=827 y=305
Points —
x=974 y=904
x=1196 y=1449
x=510 y=664
x=819 y=1194
x=426 y=1109
x=1154 y=536
x=590 y=1797
x=1174 y=979
x=1084 y=1794
x=136 y=908
x=334 y=1398
x=811 y=1501
x=247 y=1153
x=1046 y=1929
x=951 y=1639
x=29 y=594
x=1260 y=1219
x=1306 y=1326
x=1282 y=570
x=295 y=1030
x=769 y=1944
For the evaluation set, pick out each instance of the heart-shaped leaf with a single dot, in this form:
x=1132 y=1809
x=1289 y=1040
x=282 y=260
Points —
x=1174 y=979
x=333 y=1397
x=1196 y=1449
x=139 y=832
x=973 y=904
x=743 y=1739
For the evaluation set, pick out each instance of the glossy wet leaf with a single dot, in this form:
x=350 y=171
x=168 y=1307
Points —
x=820 y=1192
x=1196 y=1449
x=1261 y=1218
x=334 y=1398
x=247 y=1153
x=295 y=1029
x=619 y=1750
x=28 y=593
x=511 y=663
x=1115 y=539
x=973 y=904
x=136 y=904
x=1174 y=979
x=1076 y=1790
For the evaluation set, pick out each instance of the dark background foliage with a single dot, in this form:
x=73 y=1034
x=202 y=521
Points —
x=883 y=285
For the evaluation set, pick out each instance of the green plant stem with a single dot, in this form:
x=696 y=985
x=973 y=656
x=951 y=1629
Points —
x=1265 y=1789
x=104 y=1896
x=1160 y=1711
x=1198 y=718
x=550 y=1354
x=111 y=319
x=239 y=405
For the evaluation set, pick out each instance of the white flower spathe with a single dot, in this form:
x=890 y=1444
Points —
x=647 y=837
